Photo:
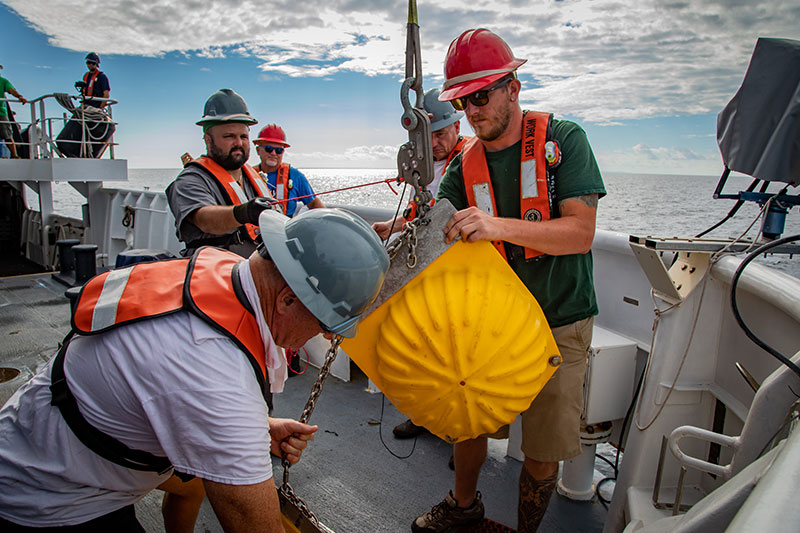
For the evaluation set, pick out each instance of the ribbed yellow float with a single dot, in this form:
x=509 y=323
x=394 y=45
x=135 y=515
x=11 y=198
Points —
x=462 y=348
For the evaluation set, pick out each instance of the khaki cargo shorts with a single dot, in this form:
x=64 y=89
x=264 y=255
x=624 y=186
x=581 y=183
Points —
x=551 y=425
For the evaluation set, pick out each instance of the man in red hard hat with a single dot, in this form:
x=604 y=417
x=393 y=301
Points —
x=286 y=183
x=530 y=184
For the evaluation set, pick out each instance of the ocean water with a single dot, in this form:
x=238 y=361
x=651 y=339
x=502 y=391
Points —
x=638 y=204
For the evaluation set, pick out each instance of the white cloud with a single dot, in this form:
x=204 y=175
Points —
x=603 y=61
x=376 y=155
x=662 y=160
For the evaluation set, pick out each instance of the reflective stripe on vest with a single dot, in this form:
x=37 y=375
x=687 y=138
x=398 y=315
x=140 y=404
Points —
x=234 y=192
x=203 y=285
x=89 y=79
x=282 y=186
x=535 y=180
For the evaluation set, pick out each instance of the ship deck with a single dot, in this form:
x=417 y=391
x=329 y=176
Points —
x=348 y=476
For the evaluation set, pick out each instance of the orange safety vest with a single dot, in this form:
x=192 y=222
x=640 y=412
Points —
x=457 y=149
x=536 y=180
x=206 y=285
x=89 y=79
x=233 y=192
x=411 y=211
x=203 y=284
x=282 y=182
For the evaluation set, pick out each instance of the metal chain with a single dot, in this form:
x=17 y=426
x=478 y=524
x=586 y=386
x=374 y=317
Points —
x=286 y=489
x=409 y=238
x=301 y=506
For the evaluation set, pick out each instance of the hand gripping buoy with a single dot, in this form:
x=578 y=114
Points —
x=462 y=348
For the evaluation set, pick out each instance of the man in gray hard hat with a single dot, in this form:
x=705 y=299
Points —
x=217 y=198
x=173 y=381
x=447 y=142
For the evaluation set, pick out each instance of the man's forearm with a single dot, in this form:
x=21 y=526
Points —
x=570 y=233
x=214 y=219
x=558 y=236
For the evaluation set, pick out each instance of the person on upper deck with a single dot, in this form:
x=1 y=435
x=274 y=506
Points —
x=284 y=181
x=6 y=133
x=95 y=83
x=447 y=143
x=530 y=184
x=165 y=372
x=216 y=199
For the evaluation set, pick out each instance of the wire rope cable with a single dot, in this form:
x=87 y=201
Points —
x=735 y=307
x=731 y=213
x=380 y=434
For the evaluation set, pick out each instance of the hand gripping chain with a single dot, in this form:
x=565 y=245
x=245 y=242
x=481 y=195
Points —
x=286 y=489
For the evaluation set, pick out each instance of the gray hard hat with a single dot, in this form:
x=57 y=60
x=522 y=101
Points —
x=226 y=105
x=443 y=113
x=332 y=260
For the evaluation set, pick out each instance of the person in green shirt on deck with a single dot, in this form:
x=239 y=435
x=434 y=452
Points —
x=545 y=237
x=6 y=134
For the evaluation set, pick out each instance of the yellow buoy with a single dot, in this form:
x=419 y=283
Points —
x=462 y=348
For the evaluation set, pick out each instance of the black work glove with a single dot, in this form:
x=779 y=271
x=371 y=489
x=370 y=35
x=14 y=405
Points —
x=247 y=213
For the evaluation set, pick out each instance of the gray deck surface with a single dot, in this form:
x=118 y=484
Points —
x=347 y=477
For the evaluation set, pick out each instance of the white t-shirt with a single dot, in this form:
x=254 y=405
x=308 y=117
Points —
x=172 y=386
x=438 y=173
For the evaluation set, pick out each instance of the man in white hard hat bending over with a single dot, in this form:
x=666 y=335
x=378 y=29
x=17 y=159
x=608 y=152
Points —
x=165 y=370
x=530 y=184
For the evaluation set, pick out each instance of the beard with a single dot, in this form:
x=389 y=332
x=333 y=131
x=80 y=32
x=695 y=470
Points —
x=496 y=126
x=233 y=160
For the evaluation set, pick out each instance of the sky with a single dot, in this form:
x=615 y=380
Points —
x=645 y=79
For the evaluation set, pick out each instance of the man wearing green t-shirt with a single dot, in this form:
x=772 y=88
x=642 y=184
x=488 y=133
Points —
x=551 y=255
x=6 y=133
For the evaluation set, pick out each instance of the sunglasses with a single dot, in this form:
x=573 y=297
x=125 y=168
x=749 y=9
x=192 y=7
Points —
x=269 y=149
x=91 y=63
x=478 y=98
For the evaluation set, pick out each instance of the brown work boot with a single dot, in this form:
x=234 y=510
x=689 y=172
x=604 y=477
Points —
x=447 y=516
x=408 y=430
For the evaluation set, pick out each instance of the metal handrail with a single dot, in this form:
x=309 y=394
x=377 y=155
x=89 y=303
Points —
x=42 y=141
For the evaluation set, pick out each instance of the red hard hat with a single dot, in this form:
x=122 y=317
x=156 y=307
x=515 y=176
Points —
x=271 y=134
x=474 y=60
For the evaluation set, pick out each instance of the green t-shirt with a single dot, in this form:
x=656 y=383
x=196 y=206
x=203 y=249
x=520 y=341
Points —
x=5 y=85
x=563 y=285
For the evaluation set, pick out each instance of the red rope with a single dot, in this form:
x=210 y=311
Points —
x=291 y=354
x=386 y=181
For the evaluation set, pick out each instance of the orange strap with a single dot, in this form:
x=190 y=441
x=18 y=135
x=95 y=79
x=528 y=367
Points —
x=235 y=193
x=535 y=201
x=89 y=79
x=282 y=182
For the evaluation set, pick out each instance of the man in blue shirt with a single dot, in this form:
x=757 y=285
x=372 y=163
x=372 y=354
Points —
x=284 y=181
x=95 y=82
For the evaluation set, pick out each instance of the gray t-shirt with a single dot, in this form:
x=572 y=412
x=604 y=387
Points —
x=195 y=188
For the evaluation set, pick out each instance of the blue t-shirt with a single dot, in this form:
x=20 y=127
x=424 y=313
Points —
x=101 y=85
x=300 y=187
